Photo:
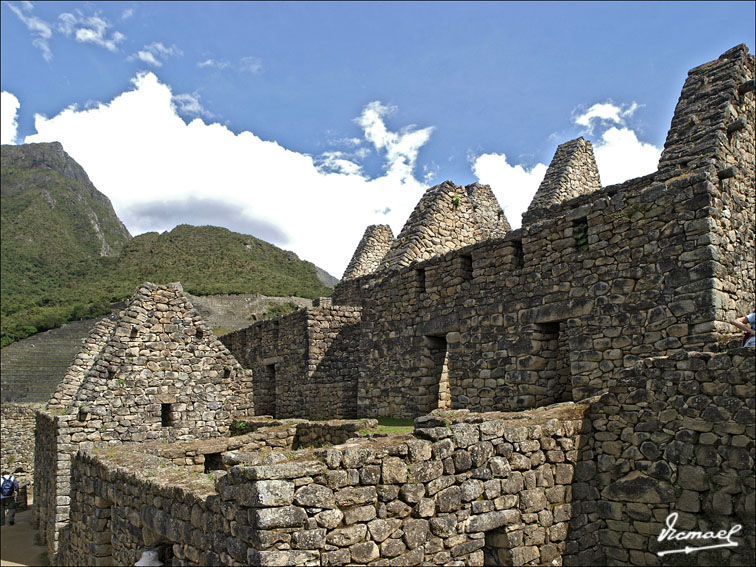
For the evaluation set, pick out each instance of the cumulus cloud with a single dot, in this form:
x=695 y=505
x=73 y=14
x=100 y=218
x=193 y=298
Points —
x=40 y=29
x=619 y=154
x=602 y=113
x=159 y=171
x=90 y=29
x=190 y=104
x=155 y=53
x=513 y=185
x=9 y=106
x=400 y=148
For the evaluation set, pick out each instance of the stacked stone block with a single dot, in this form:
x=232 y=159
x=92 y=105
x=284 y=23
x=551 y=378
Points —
x=370 y=251
x=17 y=440
x=447 y=217
x=156 y=372
x=303 y=364
x=464 y=486
x=571 y=173
x=675 y=435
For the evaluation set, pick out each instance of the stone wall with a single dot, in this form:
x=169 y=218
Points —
x=571 y=173
x=674 y=435
x=595 y=280
x=713 y=129
x=463 y=487
x=303 y=364
x=582 y=483
x=17 y=440
x=155 y=372
x=370 y=251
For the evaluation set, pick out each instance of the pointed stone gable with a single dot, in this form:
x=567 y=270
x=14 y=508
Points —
x=370 y=252
x=572 y=172
x=711 y=117
x=447 y=217
x=488 y=213
x=157 y=364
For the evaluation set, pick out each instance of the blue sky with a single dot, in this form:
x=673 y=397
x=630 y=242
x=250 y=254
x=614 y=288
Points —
x=301 y=123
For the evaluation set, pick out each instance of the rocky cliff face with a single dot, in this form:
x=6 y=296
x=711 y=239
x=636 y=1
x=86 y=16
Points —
x=44 y=188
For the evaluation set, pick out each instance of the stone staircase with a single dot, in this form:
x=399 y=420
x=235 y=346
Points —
x=31 y=369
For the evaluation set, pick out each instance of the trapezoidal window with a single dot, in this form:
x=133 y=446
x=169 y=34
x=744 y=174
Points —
x=420 y=279
x=519 y=254
x=166 y=415
x=580 y=234
x=466 y=267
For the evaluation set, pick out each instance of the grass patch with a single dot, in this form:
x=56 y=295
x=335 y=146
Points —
x=395 y=425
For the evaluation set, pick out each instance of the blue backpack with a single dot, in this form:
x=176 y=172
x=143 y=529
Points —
x=7 y=487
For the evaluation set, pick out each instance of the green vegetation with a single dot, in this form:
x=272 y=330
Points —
x=66 y=255
x=278 y=309
x=393 y=426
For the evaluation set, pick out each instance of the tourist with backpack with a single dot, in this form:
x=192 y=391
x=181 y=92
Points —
x=8 y=496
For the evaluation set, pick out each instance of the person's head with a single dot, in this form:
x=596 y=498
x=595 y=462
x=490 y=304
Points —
x=6 y=472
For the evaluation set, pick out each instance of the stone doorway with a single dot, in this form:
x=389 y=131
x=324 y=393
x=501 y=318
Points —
x=437 y=363
x=555 y=348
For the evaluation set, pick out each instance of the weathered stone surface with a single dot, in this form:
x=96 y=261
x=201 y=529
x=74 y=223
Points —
x=637 y=487
x=315 y=496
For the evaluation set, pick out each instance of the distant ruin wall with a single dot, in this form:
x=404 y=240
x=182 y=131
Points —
x=272 y=350
x=17 y=440
x=304 y=364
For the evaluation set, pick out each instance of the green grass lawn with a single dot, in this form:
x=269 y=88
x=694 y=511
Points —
x=395 y=425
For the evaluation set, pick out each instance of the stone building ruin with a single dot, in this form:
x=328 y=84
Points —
x=573 y=383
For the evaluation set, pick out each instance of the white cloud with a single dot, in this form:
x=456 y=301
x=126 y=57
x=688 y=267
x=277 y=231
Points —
x=40 y=29
x=155 y=52
x=214 y=63
x=9 y=106
x=604 y=112
x=154 y=167
x=148 y=57
x=401 y=148
x=513 y=185
x=619 y=154
x=127 y=13
x=191 y=104
x=90 y=29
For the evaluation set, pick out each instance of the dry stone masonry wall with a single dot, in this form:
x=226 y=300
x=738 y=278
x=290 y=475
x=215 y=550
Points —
x=17 y=440
x=594 y=281
x=575 y=377
x=156 y=372
x=370 y=252
x=572 y=173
